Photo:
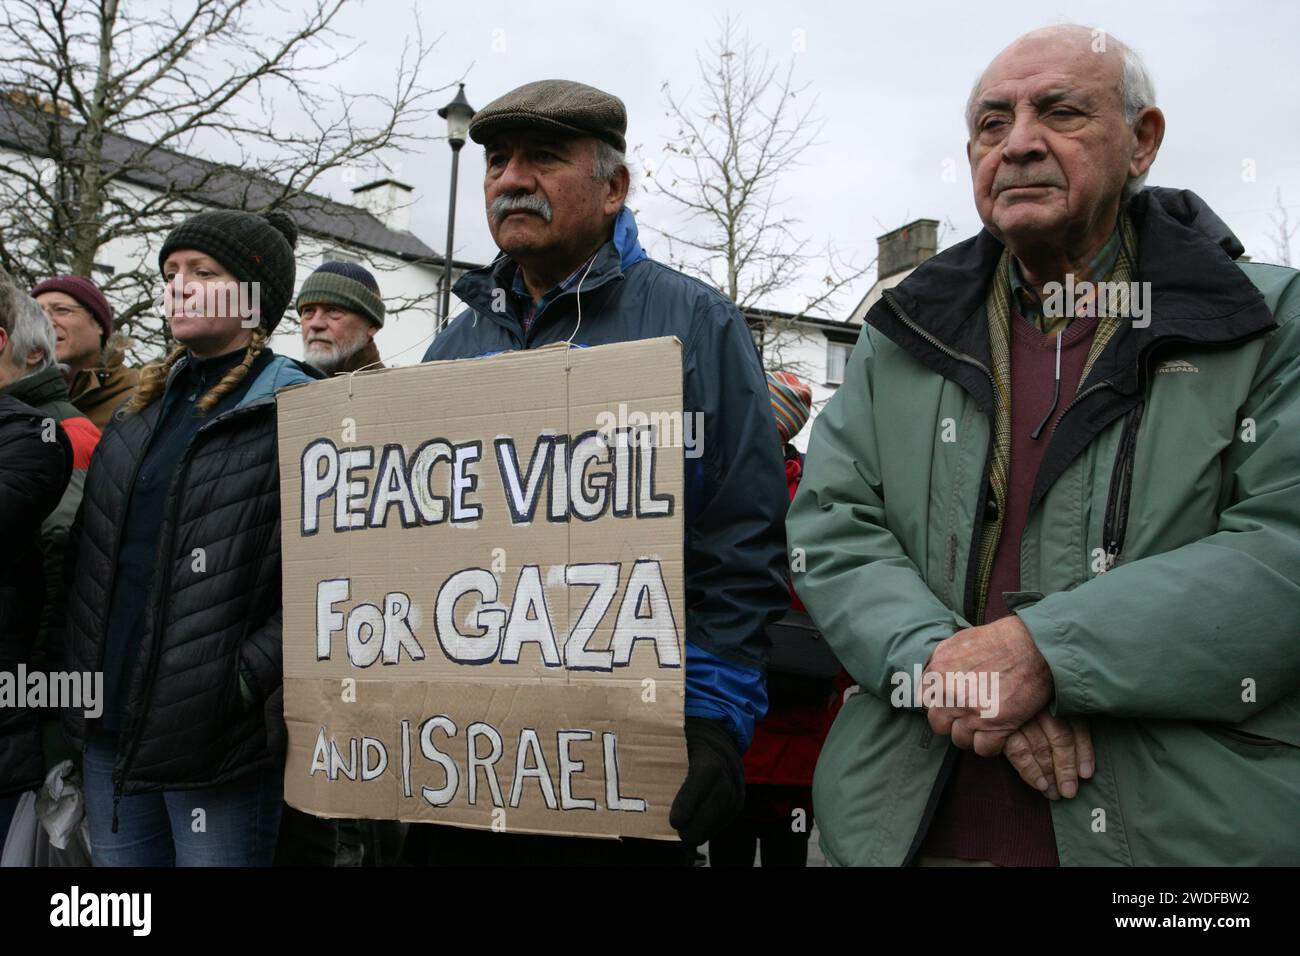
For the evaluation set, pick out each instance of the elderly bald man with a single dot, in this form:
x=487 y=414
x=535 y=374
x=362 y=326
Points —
x=1051 y=519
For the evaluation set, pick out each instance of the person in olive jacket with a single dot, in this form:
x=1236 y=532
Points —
x=176 y=586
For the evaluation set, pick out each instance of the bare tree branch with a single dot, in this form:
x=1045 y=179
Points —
x=1284 y=232
x=737 y=137
x=107 y=102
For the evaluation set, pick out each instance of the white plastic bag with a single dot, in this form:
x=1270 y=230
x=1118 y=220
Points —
x=49 y=826
x=61 y=810
x=24 y=833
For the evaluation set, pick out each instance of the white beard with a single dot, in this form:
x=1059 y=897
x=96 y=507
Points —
x=330 y=358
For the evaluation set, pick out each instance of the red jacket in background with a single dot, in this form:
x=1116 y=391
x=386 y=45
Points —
x=789 y=739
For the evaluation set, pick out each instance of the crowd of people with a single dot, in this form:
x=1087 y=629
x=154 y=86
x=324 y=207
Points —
x=1099 y=510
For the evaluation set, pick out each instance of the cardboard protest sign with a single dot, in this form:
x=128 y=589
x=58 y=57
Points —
x=484 y=606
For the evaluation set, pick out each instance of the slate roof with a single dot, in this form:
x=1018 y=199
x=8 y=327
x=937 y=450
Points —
x=23 y=130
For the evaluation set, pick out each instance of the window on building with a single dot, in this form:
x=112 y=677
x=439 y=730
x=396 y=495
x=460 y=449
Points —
x=837 y=357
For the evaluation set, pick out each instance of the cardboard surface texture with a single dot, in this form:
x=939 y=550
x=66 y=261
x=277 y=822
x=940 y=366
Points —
x=484 y=606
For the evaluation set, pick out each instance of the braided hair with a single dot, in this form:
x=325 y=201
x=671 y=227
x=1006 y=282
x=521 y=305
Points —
x=236 y=375
x=153 y=378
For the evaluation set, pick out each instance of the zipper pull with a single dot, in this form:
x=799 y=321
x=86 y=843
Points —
x=116 y=800
x=1056 y=395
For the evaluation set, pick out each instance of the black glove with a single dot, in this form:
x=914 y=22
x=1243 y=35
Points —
x=713 y=793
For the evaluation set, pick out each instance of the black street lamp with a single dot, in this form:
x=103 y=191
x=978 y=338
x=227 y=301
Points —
x=457 y=113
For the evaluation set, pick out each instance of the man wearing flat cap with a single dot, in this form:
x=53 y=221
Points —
x=555 y=187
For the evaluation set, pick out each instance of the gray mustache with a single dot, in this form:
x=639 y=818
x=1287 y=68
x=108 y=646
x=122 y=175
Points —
x=502 y=206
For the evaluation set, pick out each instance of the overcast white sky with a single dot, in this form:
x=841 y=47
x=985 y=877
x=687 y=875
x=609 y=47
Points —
x=891 y=81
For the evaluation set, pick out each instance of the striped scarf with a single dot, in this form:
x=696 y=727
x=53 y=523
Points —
x=998 y=305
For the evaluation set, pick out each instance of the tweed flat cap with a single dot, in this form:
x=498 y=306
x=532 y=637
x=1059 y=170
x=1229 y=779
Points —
x=558 y=106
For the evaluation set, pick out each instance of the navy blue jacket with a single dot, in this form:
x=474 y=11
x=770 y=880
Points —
x=736 y=495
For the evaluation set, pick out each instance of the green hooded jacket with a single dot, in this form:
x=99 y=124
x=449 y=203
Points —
x=1160 y=566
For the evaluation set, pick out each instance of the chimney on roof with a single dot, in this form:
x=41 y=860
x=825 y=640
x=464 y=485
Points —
x=906 y=247
x=35 y=101
x=388 y=201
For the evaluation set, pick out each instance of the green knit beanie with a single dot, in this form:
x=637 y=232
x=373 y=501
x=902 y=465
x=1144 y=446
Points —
x=346 y=285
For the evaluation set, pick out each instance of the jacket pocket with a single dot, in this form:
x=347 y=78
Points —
x=235 y=705
x=1019 y=600
x=1246 y=738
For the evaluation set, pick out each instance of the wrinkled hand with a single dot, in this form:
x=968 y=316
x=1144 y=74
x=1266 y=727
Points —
x=713 y=793
x=1052 y=754
x=1024 y=686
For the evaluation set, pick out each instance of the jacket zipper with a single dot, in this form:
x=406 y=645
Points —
x=945 y=349
x=969 y=360
x=155 y=651
x=1078 y=398
x=1144 y=359
x=103 y=647
x=1115 y=524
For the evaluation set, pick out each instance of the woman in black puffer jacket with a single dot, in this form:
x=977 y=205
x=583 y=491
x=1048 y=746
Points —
x=176 y=590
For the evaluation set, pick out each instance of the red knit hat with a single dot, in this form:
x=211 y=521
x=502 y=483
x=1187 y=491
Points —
x=85 y=292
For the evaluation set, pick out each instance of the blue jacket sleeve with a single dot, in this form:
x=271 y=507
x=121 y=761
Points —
x=736 y=500
x=720 y=690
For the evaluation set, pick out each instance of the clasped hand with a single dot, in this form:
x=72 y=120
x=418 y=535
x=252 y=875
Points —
x=1051 y=754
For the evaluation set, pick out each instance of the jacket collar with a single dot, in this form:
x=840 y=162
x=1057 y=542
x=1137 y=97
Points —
x=623 y=250
x=268 y=373
x=90 y=379
x=366 y=357
x=1198 y=295
x=279 y=372
x=39 y=388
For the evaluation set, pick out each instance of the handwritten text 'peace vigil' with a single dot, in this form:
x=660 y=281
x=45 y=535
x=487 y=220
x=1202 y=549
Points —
x=587 y=475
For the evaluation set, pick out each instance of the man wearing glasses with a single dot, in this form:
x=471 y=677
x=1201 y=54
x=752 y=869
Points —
x=98 y=380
